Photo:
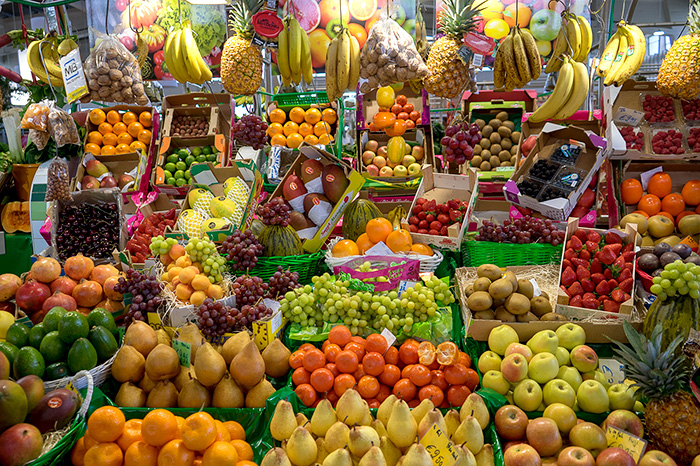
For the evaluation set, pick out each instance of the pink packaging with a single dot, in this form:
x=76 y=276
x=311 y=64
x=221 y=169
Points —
x=394 y=269
x=45 y=230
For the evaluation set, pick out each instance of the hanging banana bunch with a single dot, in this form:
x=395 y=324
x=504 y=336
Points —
x=43 y=59
x=294 y=53
x=342 y=65
x=517 y=60
x=183 y=59
x=623 y=55
x=574 y=40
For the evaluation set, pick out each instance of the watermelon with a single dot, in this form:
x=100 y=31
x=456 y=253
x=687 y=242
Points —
x=677 y=315
x=356 y=216
x=280 y=241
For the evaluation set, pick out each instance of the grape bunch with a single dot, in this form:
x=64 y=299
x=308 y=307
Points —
x=275 y=212
x=281 y=282
x=250 y=131
x=92 y=229
x=161 y=245
x=249 y=314
x=242 y=250
x=248 y=290
x=459 y=141
x=524 y=230
x=214 y=319
x=677 y=278
x=203 y=250
x=145 y=294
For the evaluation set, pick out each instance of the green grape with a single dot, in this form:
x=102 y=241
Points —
x=665 y=274
x=688 y=276
x=694 y=293
x=656 y=280
x=666 y=283
x=656 y=289
x=673 y=274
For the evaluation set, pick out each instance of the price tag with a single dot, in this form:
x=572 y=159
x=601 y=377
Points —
x=439 y=447
x=690 y=242
x=627 y=116
x=183 y=350
x=478 y=60
x=154 y=320
x=612 y=370
x=535 y=287
x=504 y=169
x=465 y=54
x=626 y=441
x=404 y=285
x=73 y=76
x=646 y=176
x=390 y=337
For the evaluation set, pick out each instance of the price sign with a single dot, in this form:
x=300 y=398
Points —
x=627 y=116
x=154 y=320
x=465 y=54
x=390 y=337
x=439 y=447
x=183 y=350
x=612 y=370
x=626 y=441
x=73 y=76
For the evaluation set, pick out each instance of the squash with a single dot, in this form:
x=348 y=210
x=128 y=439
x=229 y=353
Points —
x=356 y=216
x=677 y=315
x=15 y=217
x=280 y=241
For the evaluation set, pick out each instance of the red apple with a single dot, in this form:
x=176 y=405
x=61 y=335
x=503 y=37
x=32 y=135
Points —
x=575 y=456
x=521 y=455
x=543 y=435
x=625 y=420
x=656 y=458
x=614 y=456
x=511 y=422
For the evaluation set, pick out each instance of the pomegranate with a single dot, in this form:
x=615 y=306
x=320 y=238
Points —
x=114 y=306
x=79 y=267
x=59 y=299
x=30 y=297
x=103 y=272
x=87 y=293
x=9 y=283
x=63 y=284
x=109 y=285
x=9 y=306
x=46 y=269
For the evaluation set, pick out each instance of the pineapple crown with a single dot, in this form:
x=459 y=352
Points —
x=241 y=17
x=694 y=17
x=657 y=372
x=458 y=17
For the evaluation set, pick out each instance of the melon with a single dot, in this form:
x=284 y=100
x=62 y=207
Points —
x=677 y=314
x=15 y=217
x=280 y=241
x=356 y=216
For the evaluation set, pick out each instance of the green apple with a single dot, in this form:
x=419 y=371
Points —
x=500 y=337
x=544 y=341
x=489 y=361
x=562 y=355
x=571 y=375
x=528 y=395
x=592 y=397
x=509 y=397
x=558 y=391
x=571 y=335
x=584 y=358
x=563 y=415
x=519 y=348
x=638 y=407
x=543 y=367
x=600 y=377
x=496 y=382
x=621 y=397
x=589 y=436
x=514 y=367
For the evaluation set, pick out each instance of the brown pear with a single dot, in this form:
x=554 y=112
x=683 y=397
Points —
x=248 y=367
x=163 y=337
x=129 y=365
x=234 y=345
x=146 y=384
x=228 y=394
x=141 y=336
x=163 y=395
x=185 y=374
x=257 y=395
x=193 y=395
x=130 y=396
x=210 y=366
x=276 y=357
x=162 y=363
x=190 y=334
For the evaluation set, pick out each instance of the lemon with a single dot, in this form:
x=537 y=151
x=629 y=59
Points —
x=6 y=319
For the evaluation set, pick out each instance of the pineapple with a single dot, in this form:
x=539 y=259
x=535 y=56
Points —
x=671 y=414
x=448 y=73
x=241 y=60
x=679 y=75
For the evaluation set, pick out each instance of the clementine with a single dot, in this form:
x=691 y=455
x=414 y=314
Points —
x=650 y=203
x=97 y=116
x=313 y=116
x=399 y=241
x=364 y=244
x=378 y=229
x=129 y=117
x=131 y=433
x=294 y=140
x=691 y=192
x=175 y=453
x=159 y=427
x=198 y=431
x=329 y=116
x=141 y=454
x=235 y=430
x=220 y=453
x=345 y=248
x=106 y=424
x=113 y=117
x=145 y=119
x=278 y=116
x=297 y=115
x=104 y=454
x=423 y=249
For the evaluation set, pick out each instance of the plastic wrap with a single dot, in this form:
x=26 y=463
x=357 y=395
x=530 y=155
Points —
x=37 y=116
x=39 y=138
x=58 y=181
x=62 y=127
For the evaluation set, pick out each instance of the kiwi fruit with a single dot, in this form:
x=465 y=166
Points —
x=495 y=149
x=515 y=136
x=485 y=167
x=495 y=138
x=514 y=159
x=553 y=317
x=490 y=271
x=501 y=288
x=477 y=149
x=485 y=143
x=469 y=289
x=495 y=161
x=498 y=302
x=504 y=131
x=510 y=276
x=495 y=123
x=506 y=143
x=485 y=154
x=540 y=306
x=504 y=316
x=486 y=132
x=529 y=317
x=525 y=287
x=514 y=150
x=503 y=116
x=509 y=124
x=504 y=156
x=476 y=161
x=517 y=304
x=482 y=284
x=544 y=294
x=506 y=164
x=480 y=123
x=484 y=315
x=479 y=301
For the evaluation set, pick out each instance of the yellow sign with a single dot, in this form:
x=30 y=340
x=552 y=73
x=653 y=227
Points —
x=154 y=321
x=72 y=388
x=626 y=441
x=439 y=447
x=264 y=331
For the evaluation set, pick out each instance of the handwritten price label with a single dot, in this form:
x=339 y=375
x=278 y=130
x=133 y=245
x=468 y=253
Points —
x=439 y=447
x=154 y=320
x=627 y=116
x=626 y=441
x=612 y=370
x=183 y=350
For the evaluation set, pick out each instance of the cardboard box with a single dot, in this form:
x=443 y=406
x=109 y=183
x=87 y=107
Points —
x=592 y=156
x=132 y=163
x=137 y=109
x=442 y=188
x=222 y=101
x=217 y=125
x=386 y=203
x=529 y=97
x=414 y=137
x=356 y=181
x=581 y=119
x=368 y=107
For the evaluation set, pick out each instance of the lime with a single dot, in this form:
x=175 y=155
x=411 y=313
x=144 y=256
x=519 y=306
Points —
x=52 y=348
x=171 y=181
x=9 y=350
x=188 y=175
x=18 y=335
x=201 y=158
x=179 y=174
x=190 y=160
x=171 y=167
x=180 y=182
x=52 y=318
x=182 y=153
x=206 y=150
x=211 y=157
x=181 y=166
x=172 y=158
x=73 y=325
x=28 y=361
x=36 y=334
x=167 y=174
x=196 y=151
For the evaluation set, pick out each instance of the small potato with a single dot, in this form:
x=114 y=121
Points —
x=495 y=123
x=487 y=131
x=485 y=167
x=503 y=116
x=494 y=161
x=479 y=301
x=490 y=271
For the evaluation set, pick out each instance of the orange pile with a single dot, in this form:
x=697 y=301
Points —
x=380 y=230
x=160 y=438
x=659 y=200
x=413 y=372
x=118 y=133
x=312 y=126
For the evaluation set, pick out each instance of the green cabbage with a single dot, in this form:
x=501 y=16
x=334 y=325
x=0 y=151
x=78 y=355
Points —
x=208 y=23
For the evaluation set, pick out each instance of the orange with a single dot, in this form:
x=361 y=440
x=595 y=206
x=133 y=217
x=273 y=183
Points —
x=245 y=452
x=135 y=128
x=631 y=191
x=222 y=433
x=673 y=204
x=77 y=455
x=364 y=243
x=278 y=116
x=131 y=433
x=138 y=146
x=311 y=139
x=492 y=9
x=345 y=248
x=399 y=241
x=141 y=454
x=278 y=140
x=97 y=116
x=113 y=117
x=108 y=150
x=198 y=431
x=159 y=427
x=119 y=128
x=129 y=117
x=325 y=139
x=275 y=128
x=660 y=184
x=313 y=116
x=94 y=137
x=104 y=454
x=340 y=335
x=246 y=463
x=297 y=115
x=125 y=138
x=220 y=453
x=175 y=453
x=105 y=128
x=235 y=429
x=306 y=129
x=122 y=148
x=88 y=440
x=322 y=128
x=362 y=10
x=145 y=119
x=329 y=116
x=378 y=229
x=421 y=248
x=145 y=136
x=294 y=140
x=290 y=127
x=520 y=11
x=110 y=139
x=691 y=192
x=641 y=212
x=93 y=148
x=106 y=424
x=650 y=203
x=376 y=343
x=180 y=422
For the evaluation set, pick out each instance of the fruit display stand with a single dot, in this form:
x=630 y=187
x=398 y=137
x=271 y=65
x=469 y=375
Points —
x=135 y=166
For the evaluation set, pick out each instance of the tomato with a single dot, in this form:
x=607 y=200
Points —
x=122 y=4
x=158 y=71
x=154 y=36
x=159 y=57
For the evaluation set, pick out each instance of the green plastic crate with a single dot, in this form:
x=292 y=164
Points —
x=306 y=265
x=476 y=253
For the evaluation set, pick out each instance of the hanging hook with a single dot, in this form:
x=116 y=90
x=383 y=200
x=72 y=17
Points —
x=131 y=26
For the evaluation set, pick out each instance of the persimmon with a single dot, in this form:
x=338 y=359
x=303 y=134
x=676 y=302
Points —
x=660 y=184
x=673 y=203
x=631 y=191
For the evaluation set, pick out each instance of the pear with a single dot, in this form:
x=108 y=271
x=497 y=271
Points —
x=303 y=421
x=146 y=384
x=402 y=427
x=130 y=396
x=210 y=366
x=417 y=455
x=379 y=427
x=452 y=421
x=322 y=419
x=276 y=357
x=468 y=458
x=391 y=453
x=163 y=337
x=339 y=457
x=321 y=449
x=163 y=395
x=337 y=436
x=373 y=457
x=185 y=374
x=257 y=395
x=434 y=416
x=247 y=367
x=234 y=345
x=162 y=363
x=470 y=434
x=361 y=439
x=276 y=457
x=367 y=416
x=485 y=456
x=141 y=336
x=301 y=448
x=384 y=410
x=129 y=365
x=194 y=395
x=419 y=411
x=228 y=394
x=190 y=334
x=349 y=408
x=474 y=406
x=283 y=421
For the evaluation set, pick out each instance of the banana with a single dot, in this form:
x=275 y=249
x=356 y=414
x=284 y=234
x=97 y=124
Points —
x=635 y=55
x=50 y=57
x=533 y=54
x=499 y=70
x=586 y=38
x=354 y=63
x=511 y=70
x=178 y=58
x=579 y=93
x=609 y=54
x=620 y=57
x=307 y=69
x=331 y=66
x=283 y=55
x=295 y=50
x=170 y=60
x=36 y=65
x=559 y=96
x=561 y=46
x=343 y=70
x=573 y=33
x=188 y=47
x=521 y=60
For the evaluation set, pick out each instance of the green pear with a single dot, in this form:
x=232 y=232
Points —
x=373 y=457
x=321 y=448
x=379 y=427
x=283 y=422
x=452 y=421
x=361 y=439
x=276 y=457
x=349 y=408
x=391 y=453
x=384 y=410
x=322 y=419
x=470 y=434
x=485 y=456
x=417 y=455
x=434 y=416
x=301 y=448
x=419 y=411
x=474 y=405
x=402 y=427
x=337 y=436
x=339 y=457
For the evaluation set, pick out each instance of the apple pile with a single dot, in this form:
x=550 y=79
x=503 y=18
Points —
x=552 y=368
x=376 y=162
x=431 y=218
x=99 y=176
x=152 y=226
x=597 y=270
x=658 y=109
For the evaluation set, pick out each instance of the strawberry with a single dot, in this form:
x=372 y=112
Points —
x=628 y=265
x=593 y=236
x=607 y=255
x=435 y=225
x=611 y=306
x=563 y=288
x=588 y=295
x=570 y=254
x=612 y=283
x=430 y=218
x=581 y=235
x=576 y=301
x=588 y=284
x=602 y=288
x=575 y=289
x=626 y=285
x=421 y=201
x=585 y=255
x=453 y=204
x=627 y=247
x=456 y=215
x=624 y=275
x=613 y=238
x=444 y=219
x=575 y=243
x=582 y=272
x=430 y=205
x=422 y=215
x=567 y=263
x=591 y=246
x=628 y=255
x=618 y=296
x=417 y=209
x=590 y=303
x=444 y=209
x=443 y=230
x=579 y=262
x=597 y=278
x=596 y=266
x=608 y=274
x=568 y=276
x=626 y=297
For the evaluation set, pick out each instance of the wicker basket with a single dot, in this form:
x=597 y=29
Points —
x=476 y=253
x=427 y=263
x=98 y=375
x=306 y=265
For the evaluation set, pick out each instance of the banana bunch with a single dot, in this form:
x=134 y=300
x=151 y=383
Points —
x=574 y=40
x=517 y=60
x=294 y=53
x=568 y=95
x=342 y=65
x=42 y=57
x=623 y=55
x=183 y=59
